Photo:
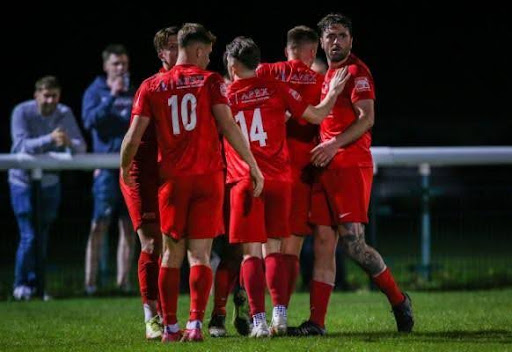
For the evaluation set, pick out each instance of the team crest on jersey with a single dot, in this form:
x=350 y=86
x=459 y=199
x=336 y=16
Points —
x=255 y=95
x=294 y=94
x=362 y=84
x=224 y=89
x=303 y=78
x=162 y=86
x=325 y=88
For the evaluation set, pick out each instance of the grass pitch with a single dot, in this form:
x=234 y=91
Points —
x=445 y=321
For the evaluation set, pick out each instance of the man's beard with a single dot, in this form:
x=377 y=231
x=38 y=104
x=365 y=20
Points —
x=339 y=56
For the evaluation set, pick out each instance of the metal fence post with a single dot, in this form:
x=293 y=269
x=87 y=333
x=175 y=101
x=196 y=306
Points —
x=425 y=266
x=36 y=177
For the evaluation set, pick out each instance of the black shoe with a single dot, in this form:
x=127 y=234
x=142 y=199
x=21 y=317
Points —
x=217 y=326
x=241 y=315
x=307 y=328
x=403 y=315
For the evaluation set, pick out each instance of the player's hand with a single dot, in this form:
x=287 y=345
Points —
x=323 y=153
x=257 y=181
x=339 y=80
x=127 y=178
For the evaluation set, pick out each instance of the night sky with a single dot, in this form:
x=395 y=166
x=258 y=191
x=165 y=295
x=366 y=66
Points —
x=442 y=75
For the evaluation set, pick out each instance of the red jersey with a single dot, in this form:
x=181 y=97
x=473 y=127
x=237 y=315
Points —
x=180 y=103
x=359 y=86
x=301 y=135
x=259 y=106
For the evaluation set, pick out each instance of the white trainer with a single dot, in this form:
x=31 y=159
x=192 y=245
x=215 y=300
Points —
x=260 y=330
x=279 y=324
x=154 y=328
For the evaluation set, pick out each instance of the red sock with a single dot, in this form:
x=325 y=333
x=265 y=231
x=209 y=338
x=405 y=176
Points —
x=291 y=263
x=386 y=283
x=169 y=285
x=148 y=276
x=158 y=303
x=225 y=278
x=254 y=283
x=277 y=278
x=200 y=282
x=318 y=301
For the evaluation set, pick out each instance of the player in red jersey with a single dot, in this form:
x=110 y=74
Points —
x=142 y=199
x=187 y=105
x=301 y=136
x=259 y=106
x=340 y=202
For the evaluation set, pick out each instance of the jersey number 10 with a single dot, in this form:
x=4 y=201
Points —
x=257 y=133
x=187 y=111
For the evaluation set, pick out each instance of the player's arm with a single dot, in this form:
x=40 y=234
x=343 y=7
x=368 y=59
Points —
x=233 y=134
x=365 y=117
x=130 y=145
x=316 y=114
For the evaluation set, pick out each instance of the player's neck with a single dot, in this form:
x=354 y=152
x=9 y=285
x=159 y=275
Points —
x=185 y=59
x=245 y=74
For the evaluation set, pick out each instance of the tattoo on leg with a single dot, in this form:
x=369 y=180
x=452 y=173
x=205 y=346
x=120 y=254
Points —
x=354 y=245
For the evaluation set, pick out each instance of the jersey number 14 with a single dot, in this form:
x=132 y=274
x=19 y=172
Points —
x=256 y=133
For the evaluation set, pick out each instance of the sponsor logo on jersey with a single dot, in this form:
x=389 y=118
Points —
x=303 y=78
x=189 y=81
x=254 y=95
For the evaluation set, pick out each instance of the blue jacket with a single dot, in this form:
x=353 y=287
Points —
x=105 y=116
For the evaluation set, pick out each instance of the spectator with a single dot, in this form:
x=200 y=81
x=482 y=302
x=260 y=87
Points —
x=106 y=109
x=38 y=126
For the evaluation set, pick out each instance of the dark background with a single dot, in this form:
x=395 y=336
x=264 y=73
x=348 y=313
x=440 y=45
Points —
x=442 y=76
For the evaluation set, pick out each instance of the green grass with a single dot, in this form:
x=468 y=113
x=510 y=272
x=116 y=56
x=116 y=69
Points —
x=445 y=321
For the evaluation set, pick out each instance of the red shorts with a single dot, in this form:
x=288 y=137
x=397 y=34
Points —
x=302 y=180
x=342 y=196
x=256 y=219
x=142 y=199
x=191 y=206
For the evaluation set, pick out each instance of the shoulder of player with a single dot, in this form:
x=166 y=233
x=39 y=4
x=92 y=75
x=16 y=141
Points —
x=362 y=68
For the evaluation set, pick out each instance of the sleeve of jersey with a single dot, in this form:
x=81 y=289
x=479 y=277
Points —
x=363 y=87
x=295 y=104
x=263 y=70
x=141 y=104
x=218 y=89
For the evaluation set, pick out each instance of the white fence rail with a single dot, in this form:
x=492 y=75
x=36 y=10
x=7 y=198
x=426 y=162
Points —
x=383 y=156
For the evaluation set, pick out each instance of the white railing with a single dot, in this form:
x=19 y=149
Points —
x=383 y=156
x=422 y=157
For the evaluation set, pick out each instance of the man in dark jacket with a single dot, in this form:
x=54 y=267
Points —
x=106 y=110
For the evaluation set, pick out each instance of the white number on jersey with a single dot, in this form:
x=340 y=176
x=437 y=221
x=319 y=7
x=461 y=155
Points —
x=188 y=112
x=257 y=133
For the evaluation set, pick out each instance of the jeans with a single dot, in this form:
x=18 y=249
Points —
x=107 y=195
x=31 y=254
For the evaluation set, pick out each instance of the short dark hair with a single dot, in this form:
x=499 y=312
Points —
x=300 y=35
x=194 y=33
x=113 y=49
x=161 y=39
x=245 y=50
x=47 y=82
x=335 y=18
